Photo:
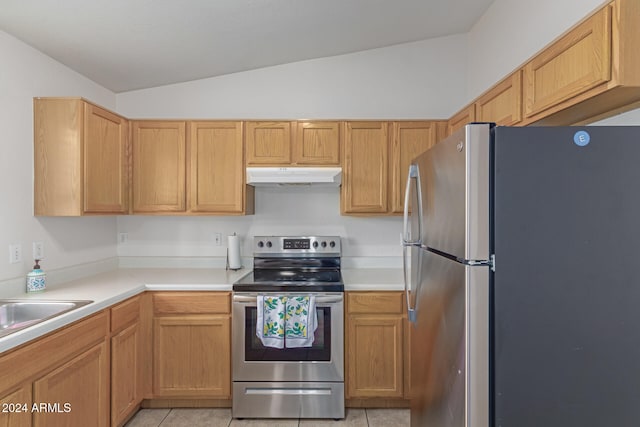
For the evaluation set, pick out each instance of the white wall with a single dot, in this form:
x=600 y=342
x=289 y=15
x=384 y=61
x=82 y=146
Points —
x=24 y=74
x=280 y=211
x=413 y=80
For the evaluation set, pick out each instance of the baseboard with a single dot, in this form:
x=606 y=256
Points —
x=376 y=403
x=186 y=403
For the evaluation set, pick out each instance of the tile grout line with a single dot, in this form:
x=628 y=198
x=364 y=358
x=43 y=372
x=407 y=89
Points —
x=165 y=417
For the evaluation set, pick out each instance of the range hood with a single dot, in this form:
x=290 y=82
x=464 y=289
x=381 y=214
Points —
x=274 y=176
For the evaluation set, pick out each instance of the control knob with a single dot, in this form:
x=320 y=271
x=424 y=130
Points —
x=324 y=244
x=332 y=244
x=315 y=244
x=260 y=244
x=269 y=243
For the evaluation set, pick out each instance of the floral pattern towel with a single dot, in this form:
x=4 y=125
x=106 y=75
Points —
x=286 y=321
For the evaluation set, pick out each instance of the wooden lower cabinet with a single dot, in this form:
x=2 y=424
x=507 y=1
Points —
x=192 y=345
x=375 y=346
x=125 y=368
x=190 y=358
x=375 y=356
x=16 y=407
x=61 y=379
x=126 y=359
x=78 y=391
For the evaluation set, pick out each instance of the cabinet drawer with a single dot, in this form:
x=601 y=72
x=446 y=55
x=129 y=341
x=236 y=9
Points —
x=125 y=314
x=192 y=303
x=375 y=302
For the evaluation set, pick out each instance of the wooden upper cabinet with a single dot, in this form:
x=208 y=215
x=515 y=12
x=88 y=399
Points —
x=574 y=64
x=461 y=118
x=159 y=166
x=304 y=143
x=216 y=168
x=442 y=130
x=268 y=143
x=409 y=140
x=106 y=174
x=502 y=104
x=365 y=172
x=80 y=159
x=317 y=143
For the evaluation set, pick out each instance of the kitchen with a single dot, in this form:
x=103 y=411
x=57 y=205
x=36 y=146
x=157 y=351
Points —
x=428 y=89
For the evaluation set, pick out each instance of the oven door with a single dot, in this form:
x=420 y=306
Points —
x=323 y=361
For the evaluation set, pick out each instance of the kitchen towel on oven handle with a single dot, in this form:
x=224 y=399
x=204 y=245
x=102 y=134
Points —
x=286 y=321
x=270 y=323
x=301 y=321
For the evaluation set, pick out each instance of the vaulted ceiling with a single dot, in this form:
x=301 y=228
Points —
x=132 y=44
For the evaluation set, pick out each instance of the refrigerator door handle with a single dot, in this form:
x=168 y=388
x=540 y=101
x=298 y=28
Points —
x=411 y=312
x=407 y=240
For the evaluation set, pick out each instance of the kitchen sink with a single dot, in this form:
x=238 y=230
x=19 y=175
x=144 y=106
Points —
x=18 y=314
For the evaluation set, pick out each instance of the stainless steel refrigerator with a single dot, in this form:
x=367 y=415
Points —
x=521 y=250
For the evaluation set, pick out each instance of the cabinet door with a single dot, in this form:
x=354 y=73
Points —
x=317 y=143
x=442 y=130
x=125 y=372
x=409 y=140
x=16 y=407
x=192 y=356
x=503 y=103
x=159 y=150
x=79 y=391
x=374 y=349
x=574 y=64
x=365 y=173
x=460 y=119
x=105 y=161
x=268 y=143
x=216 y=178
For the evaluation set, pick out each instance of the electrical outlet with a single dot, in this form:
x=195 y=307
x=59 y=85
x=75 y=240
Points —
x=15 y=253
x=38 y=250
x=123 y=238
x=217 y=238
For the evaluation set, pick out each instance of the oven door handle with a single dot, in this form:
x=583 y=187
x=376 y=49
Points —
x=321 y=299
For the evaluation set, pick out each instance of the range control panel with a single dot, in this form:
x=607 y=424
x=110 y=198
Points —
x=290 y=245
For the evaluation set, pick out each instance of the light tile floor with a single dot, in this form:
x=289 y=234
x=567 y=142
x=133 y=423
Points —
x=222 y=418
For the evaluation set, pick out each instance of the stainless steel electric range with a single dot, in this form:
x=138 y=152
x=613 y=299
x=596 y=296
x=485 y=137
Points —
x=306 y=382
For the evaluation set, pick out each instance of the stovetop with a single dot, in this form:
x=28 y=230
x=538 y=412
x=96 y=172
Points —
x=269 y=280
x=294 y=264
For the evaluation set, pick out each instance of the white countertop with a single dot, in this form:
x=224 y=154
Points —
x=109 y=288
x=373 y=279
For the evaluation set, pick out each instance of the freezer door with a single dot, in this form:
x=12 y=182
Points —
x=449 y=344
x=454 y=179
x=566 y=287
